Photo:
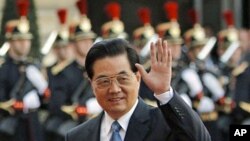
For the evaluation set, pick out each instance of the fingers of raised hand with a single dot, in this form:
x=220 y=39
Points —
x=160 y=53
x=153 y=53
x=167 y=55
x=159 y=50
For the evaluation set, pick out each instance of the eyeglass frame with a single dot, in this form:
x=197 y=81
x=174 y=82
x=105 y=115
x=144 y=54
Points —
x=113 y=78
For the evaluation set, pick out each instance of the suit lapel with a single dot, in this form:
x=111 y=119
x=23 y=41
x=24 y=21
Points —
x=94 y=129
x=139 y=124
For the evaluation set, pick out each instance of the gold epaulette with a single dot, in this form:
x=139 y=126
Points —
x=60 y=67
x=240 y=69
x=70 y=110
x=245 y=106
x=209 y=116
x=150 y=102
x=7 y=106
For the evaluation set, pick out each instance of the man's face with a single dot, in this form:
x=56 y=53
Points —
x=193 y=53
x=176 y=51
x=83 y=46
x=63 y=52
x=21 y=47
x=220 y=50
x=116 y=99
x=235 y=58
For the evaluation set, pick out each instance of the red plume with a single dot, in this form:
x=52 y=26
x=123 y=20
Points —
x=23 y=6
x=193 y=16
x=113 y=10
x=171 y=9
x=82 y=6
x=144 y=15
x=228 y=17
x=62 y=14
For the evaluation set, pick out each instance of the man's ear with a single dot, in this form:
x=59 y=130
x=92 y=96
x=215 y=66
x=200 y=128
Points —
x=138 y=76
x=92 y=85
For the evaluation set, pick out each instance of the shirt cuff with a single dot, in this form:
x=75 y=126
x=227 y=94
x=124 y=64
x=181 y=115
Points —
x=165 y=97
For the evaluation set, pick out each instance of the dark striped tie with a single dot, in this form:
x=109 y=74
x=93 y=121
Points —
x=115 y=128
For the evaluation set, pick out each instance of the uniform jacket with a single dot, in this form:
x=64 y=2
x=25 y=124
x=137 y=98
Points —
x=25 y=122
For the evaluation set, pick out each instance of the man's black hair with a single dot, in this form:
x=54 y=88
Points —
x=110 y=48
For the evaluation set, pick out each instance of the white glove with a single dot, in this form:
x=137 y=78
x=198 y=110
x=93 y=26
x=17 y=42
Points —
x=36 y=78
x=186 y=98
x=31 y=100
x=93 y=106
x=206 y=105
x=214 y=86
x=193 y=81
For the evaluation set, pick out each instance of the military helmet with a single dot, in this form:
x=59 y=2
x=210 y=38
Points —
x=170 y=30
x=19 y=29
x=82 y=29
x=230 y=34
x=141 y=35
x=115 y=27
x=62 y=37
x=196 y=36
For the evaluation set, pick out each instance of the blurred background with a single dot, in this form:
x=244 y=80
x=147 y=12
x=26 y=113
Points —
x=210 y=42
x=209 y=11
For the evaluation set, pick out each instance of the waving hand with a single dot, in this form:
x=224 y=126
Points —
x=159 y=77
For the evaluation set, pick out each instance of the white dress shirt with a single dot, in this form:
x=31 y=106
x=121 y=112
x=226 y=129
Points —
x=124 y=120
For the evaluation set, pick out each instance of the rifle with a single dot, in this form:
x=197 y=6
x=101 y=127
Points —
x=146 y=49
x=49 y=42
x=4 y=49
x=207 y=48
x=74 y=110
x=71 y=109
x=229 y=52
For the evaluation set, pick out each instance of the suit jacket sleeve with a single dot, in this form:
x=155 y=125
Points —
x=184 y=122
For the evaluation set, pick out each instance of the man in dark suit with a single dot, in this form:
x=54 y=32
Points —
x=115 y=74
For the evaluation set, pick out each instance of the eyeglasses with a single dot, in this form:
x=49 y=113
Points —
x=121 y=79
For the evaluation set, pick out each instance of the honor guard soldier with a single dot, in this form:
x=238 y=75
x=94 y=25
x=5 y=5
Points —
x=229 y=55
x=228 y=37
x=21 y=84
x=84 y=105
x=195 y=39
x=228 y=50
x=114 y=28
x=171 y=32
x=61 y=81
x=143 y=34
x=213 y=92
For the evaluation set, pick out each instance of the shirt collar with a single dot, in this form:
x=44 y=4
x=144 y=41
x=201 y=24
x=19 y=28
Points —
x=123 y=121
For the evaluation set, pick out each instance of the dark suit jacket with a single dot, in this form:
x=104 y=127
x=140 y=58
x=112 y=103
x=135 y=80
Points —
x=174 y=121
